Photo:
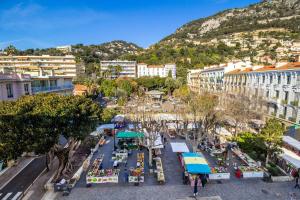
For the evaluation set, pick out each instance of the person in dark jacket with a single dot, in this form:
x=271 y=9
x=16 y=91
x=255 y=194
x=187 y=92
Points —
x=196 y=186
x=203 y=178
x=297 y=179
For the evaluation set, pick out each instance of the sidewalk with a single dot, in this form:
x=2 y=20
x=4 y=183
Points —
x=13 y=171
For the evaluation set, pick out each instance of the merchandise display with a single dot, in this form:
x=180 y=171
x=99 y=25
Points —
x=160 y=170
x=218 y=173
x=98 y=175
x=137 y=174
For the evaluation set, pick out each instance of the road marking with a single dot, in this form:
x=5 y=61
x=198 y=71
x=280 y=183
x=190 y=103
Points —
x=0 y=194
x=6 y=196
x=16 y=196
x=20 y=170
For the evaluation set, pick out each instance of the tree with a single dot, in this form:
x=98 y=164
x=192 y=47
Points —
x=170 y=85
x=34 y=123
x=11 y=50
x=204 y=114
x=272 y=134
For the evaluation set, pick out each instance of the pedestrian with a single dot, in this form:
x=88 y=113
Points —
x=126 y=175
x=196 y=186
x=296 y=176
x=203 y=180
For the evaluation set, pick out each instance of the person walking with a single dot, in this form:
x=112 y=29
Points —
x=203 y=180
x=126 y=175
x=297 y=179
x=196 y=186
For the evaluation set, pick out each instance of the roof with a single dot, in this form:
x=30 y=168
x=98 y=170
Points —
x=295 y=65
x=129 y=134
x=265 y=68
x=79 y=87
x=292 y=142
x=179 y=147
x=236 y=71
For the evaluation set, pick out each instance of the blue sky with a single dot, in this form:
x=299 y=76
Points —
x=49 y=23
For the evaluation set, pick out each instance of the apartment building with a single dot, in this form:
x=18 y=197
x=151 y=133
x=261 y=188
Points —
x=277 y=85
x=13 y=86
x=156 y=70
x=193 y=79
x=48 y=73
x=210 y=79
x=109 y=68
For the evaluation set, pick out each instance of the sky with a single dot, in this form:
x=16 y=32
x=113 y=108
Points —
x=50 y=23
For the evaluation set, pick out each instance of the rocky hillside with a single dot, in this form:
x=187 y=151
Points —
x=267 y=14
x=265 y=32
x=109 y=50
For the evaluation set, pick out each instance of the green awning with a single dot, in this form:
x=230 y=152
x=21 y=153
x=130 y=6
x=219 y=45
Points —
x=129 y=134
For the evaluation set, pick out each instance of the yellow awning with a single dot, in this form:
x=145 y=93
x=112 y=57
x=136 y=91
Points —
x=194 y=160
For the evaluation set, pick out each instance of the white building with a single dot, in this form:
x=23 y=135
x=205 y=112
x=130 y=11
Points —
x=48 y=73
x=65 y=49
x=128 y=68
x=156 y=70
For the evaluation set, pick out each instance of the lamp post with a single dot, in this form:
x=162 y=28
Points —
x=115 y=137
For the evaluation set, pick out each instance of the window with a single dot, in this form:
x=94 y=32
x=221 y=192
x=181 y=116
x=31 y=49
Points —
x=264 y=79
x=9 y=89
x=268 y=93
x=288 y=80
x=277 y=94
x=279 y=79
x=286 y=96
x=26 y=89
x=271 y=79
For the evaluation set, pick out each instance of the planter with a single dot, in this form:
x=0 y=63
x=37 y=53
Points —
x=281 y=178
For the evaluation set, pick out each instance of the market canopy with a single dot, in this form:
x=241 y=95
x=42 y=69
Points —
x=291 y=157
x=179 y=147
x=118 y=118
x=195 y=163
x=129 y=134
x=292 y=142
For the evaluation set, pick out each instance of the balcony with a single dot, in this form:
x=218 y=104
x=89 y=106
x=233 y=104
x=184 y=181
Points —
x=51 y=89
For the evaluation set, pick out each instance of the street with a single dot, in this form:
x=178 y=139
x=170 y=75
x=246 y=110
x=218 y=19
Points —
x=22 y=181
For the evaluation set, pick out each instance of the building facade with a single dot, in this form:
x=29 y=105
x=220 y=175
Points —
x=13 y=86
x=128 y=68
x=48 y=73
x=156 y=70
x=278 y=86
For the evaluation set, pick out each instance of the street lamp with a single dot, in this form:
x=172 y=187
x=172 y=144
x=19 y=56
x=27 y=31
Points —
x=115 y=137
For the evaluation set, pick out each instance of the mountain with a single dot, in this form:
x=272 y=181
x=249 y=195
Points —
x=265 y=15
x=265 y=32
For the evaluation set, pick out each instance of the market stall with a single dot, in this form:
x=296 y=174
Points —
x=130 y=139
x=120 y=156
x=179 y=147
x=98 y=175
x=159 y=170
x=250 y=168
x=137 y=174
x=219 y=173
x=195 y=164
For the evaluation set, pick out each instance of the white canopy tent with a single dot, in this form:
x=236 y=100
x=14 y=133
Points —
x=154 y=136
x=291 y=157
x=292 y=142
x=105 y=126
x=179 y=147
x=118 y=118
